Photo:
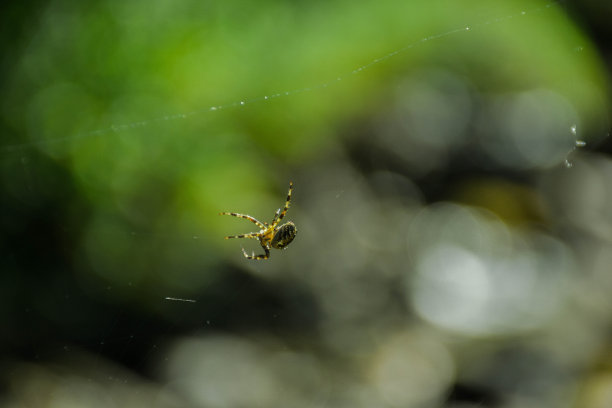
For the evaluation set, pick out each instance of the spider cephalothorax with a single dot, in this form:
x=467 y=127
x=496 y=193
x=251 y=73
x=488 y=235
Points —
x=270 y=235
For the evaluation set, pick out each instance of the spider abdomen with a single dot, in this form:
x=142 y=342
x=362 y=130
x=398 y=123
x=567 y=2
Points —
x=283 y=235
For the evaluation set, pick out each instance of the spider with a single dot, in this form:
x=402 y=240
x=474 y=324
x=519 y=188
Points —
x=270 y=235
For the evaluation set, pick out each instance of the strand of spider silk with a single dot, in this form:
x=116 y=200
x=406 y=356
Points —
x=244 y=102
x=179 y=299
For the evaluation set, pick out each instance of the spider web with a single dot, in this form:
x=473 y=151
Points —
x=239 y=303
x=143 y=123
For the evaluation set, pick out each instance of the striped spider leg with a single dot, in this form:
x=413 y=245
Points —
x=270 y=235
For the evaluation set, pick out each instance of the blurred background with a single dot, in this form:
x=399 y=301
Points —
x=452 y=173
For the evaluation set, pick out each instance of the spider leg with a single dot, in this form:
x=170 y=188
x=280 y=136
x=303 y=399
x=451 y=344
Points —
x=280 y=214
x=253 y=256
x=276 y=215
x=260 y=224
x=251 y=235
